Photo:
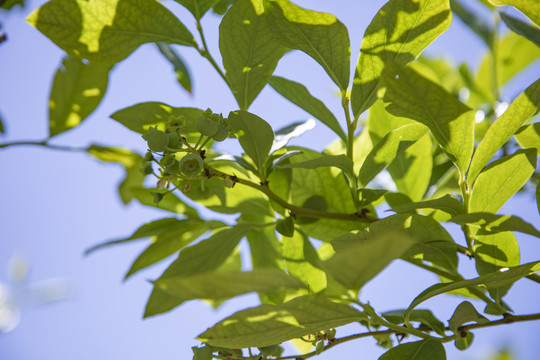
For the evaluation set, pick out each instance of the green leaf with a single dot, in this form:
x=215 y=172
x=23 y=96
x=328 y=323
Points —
x=528 y=136
x=425 y=317
x=496 y=279
x=530 y=31
x=530 y=8
x=465 y=313
x=141 y=117
x=491 y=223
x=2 y=127
x=267 y=325
x=463 y=343
x=518 y=113
x=447 y=203
x=399 y=32
x=302 y=261
x=514 y=53
x=365 y=256
x=418 y=350
x=285 y=226
x=169 y=202
x=384 y=152
x=227 y=284
x=494 y=252
x=198 y=7
x=181 y=70
x=340 y=161
x=249 y=50
x=285 y=134
x=450 y=121
x=169 y=242
x=255 y=136
x=205 y=256
x=108 y=31
x=320 y=35
x=298 y=94
x=501 y=179
x=473 y=21
x=132 y=163
x=76 y=91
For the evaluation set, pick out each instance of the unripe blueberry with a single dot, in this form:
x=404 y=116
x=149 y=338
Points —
x=206 y=125
x=167 y=160
x=157 y=140
x=176 y=122
x=191 y=165
x=174 y=141
x=221 y=133
x=174 y=168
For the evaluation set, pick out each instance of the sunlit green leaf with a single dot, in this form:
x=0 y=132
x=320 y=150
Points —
x=531 y=8
x=501 y=179
x=320 y=35
x=267 y=325
x=399 y=32
x=108 y=30
x=249 y=50
x=418 y=350
x=180 y=68
x=528 y=136
x=529 y=31
x=384 y=152
x=302 y=261
x=198 y=7
x=205 y=256
x=425 y=317
x=362 y=258
x=450 y=121
x=298 y=94
x=227 y=284
x=491 y=223
x=518 y=113
x=255 y=136
x=285 y=134
x=76 y=91
x=496 y=279
x=132 y=163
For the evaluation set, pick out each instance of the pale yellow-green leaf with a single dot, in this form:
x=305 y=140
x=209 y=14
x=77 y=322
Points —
x=529 y=136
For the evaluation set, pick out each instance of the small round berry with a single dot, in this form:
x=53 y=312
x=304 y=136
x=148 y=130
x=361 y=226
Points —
x=191 y=165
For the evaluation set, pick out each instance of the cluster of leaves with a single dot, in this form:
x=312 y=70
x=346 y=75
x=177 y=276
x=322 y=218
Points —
x=438 y=131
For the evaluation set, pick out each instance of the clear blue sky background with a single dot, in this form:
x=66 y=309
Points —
x=54 y=205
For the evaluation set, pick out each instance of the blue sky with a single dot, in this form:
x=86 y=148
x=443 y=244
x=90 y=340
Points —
x=54 y=205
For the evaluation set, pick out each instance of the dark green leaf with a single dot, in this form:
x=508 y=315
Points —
x=496 y=279
x=76 y=91
x=400 y=31
x=491 y=223
x=528 y=136
x=531 y=8
x=267 y=325
x=463 y=343
x=198 y=7
x=255 y=136
x=450 y=121
x=384 y=152
x=518 y=113
x=205 y=256
x=320 y=35
x=473 y=21
x=169 y=202
x=464 y=314
x=108 y=30
x=249 y=50
x=131 y=161
x=447 y=203
x=418 y=350
x=285 y=226
x=529 y=31
x=227 y=284
x=182 y=72
x=425 y=317
x=339 y=161
x=298 y=94
x=500 y=180
x=365 y=256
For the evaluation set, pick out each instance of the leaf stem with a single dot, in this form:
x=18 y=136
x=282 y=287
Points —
x=298 y=211
x=351 y=127
x=44 y=143
x=205 y=52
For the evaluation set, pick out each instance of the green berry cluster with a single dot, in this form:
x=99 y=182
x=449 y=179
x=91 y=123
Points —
x=212 y=125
